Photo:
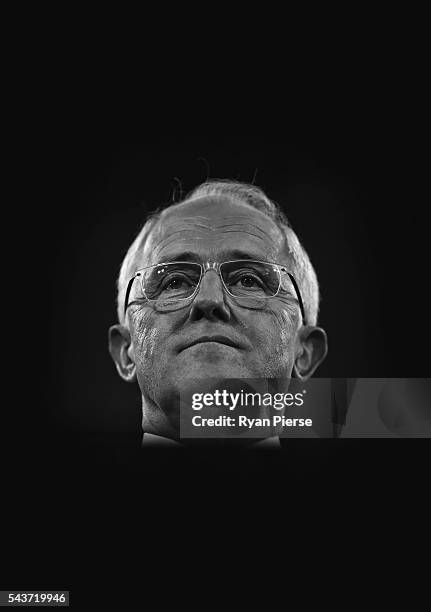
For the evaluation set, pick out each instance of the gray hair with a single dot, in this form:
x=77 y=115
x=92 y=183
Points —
x=242 y=193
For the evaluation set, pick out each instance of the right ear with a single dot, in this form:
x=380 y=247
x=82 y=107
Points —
x=122 y=352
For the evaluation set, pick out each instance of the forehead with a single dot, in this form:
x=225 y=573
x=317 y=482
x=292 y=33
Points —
x=213 y=229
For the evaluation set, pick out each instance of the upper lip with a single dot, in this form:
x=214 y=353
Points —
x=211 y=338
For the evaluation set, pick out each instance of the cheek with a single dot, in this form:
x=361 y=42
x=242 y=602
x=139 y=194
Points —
x=287 y=323
x=145 y=334
x=284 y=329
x=273 y=332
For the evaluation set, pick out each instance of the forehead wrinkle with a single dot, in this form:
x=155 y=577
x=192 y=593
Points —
x=234 y=231
x=244 y=228
x=237 y=231
x=173 y=239
x=224 y=218
x=190 y=225
x=212 y=242
x=212 y=228
x=194 y=217
x=239 y=228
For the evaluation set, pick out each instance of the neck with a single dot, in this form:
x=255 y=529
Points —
x=156 y=422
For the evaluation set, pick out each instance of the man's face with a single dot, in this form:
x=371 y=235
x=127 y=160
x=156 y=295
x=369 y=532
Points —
x=265 y=341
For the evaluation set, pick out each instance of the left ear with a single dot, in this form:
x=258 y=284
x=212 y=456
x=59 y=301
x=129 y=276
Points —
x=312 y=350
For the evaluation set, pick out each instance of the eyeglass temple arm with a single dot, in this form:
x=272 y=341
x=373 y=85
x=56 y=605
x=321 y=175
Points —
x=129 y=288
x=298 y=293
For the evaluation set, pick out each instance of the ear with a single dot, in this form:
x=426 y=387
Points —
x=121 y=350
x=312 y=350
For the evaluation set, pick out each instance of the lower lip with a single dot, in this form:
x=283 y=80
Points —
x=211 y=343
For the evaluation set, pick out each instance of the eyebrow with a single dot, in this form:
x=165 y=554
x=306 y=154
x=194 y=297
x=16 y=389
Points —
x=225 y=255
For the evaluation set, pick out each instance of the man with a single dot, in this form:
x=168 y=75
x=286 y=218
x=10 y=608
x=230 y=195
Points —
x=192 y=302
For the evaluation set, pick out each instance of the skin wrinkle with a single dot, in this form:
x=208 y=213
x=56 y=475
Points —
x=146 y=331
x=195 y=226
x=156 y=251
x=232 y=227
x=173 y=240
x=287 y=323
x=151 y=340
x=192 y=220
x=216 y=226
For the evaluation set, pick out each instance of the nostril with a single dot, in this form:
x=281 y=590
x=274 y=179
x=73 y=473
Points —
x=210 y=311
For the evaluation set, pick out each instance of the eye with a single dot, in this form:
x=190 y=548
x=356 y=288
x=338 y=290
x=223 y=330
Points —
x=174 y=283
x=245 y=280
x=249 y=281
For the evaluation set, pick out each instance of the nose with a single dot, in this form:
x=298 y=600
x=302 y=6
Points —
x=209 y=302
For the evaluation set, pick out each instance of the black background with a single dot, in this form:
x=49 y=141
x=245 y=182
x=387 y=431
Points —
x=345 y=160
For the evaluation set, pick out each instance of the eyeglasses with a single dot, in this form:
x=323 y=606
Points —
x=173 y=285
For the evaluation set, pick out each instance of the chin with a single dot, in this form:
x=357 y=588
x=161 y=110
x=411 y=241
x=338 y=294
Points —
x=212 y=359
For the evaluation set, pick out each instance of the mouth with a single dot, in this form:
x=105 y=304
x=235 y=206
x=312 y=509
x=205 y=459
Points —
x=217 y=339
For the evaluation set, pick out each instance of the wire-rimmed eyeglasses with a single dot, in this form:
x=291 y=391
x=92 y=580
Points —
x=173 y=285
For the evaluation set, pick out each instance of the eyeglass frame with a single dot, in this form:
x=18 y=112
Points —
x=214 y=265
